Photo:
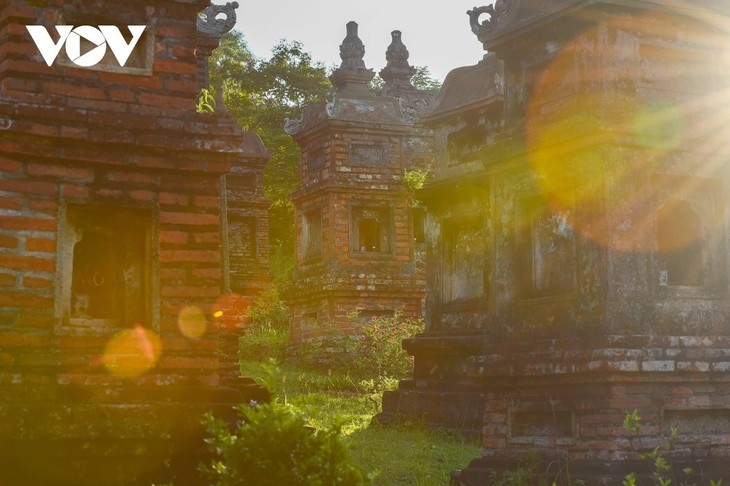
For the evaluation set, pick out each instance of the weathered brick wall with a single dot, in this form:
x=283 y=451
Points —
x=576 y=393
x=78 y=141
x=587 y=171
x=339 y=179
x=246 y=208
x=355 y=248
x=71 y=140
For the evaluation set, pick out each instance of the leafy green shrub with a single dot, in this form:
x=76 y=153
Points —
x=267 y=334
x=269 y=310
x=374 y=350
x=660 y=466
x=373 y=389
x=272 y=445
x=379 y=349
x=263 y=343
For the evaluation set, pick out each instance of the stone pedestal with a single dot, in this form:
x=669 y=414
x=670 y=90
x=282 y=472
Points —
x=564 y=401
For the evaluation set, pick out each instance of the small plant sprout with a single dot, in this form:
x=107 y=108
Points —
x=206 y=101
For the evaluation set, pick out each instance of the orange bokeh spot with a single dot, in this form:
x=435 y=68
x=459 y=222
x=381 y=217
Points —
x=192 y=322
x=132 y=352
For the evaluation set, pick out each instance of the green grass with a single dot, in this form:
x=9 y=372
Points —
x=400 y=455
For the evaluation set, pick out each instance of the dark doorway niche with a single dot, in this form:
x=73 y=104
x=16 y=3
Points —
x=109 y=266
x=370 y=230
x=679 y=242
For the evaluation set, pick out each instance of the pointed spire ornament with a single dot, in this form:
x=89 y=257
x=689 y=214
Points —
x=352 y=75
x=397 y=73
x=352 y=50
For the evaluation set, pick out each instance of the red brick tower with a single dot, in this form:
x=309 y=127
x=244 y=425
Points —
x=359 y=242
x=111 y=228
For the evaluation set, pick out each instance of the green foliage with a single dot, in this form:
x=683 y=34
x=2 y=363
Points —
x=273 y=445
x=267 y=335
x=529 y=474
x=632 y=421
x=404 y=455
x=522 y=476
x=260 y=94
x=263 y=342
x=410 y=455
x=374 y=351
x=421 y=80
x=373 y=389
x=413 y=180
x=379 y=349
x=630 y=480
x=268 y=310
x=206 y=101
x=661 y=468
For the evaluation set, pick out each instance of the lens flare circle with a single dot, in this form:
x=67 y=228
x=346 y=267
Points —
x=192 y=322
x=598 y=144
x=132 y=352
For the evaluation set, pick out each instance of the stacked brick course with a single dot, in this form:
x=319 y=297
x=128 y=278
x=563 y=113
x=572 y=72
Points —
x=577 y=253
x=120 y=155
x=355 y=248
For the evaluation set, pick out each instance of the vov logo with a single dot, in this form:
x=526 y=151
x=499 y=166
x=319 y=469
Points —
x=100 y=38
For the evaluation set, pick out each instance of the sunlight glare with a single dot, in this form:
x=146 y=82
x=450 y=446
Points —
x=132 y=352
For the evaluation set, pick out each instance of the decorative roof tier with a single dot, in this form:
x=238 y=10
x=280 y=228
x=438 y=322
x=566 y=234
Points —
x=468 y=87
x=354 y=101
x=510 y=19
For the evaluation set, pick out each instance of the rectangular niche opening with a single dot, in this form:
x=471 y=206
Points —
x=369 y=315
x=697 y=422
x=370 y=230
x=367 y=153
x=526 y=424
x=545 y=249
x=689 y=255
x=419 y=225
x=106 y=266
x=464 y=145
x=240 y=183
x=242 y=250
x=316 y=158
x=241 y=240
x=310 y=320
x=312 y=234
x=463 y=261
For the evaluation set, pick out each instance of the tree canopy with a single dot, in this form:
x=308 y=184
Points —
x=259 y=94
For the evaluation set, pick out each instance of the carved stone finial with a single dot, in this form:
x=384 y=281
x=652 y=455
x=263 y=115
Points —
x=352 y=75
x=397 y=72
x=496 y=12
x=209 y=24
x=396 y=54
x=352 y=50
x=210 y=30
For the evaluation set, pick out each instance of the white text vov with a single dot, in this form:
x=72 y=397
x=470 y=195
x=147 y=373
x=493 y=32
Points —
x=70 y=36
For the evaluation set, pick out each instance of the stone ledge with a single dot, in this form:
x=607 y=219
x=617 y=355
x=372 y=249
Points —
x=593 y=473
